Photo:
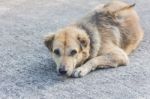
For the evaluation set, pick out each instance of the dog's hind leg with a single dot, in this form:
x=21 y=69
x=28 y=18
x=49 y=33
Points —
x=113 y=58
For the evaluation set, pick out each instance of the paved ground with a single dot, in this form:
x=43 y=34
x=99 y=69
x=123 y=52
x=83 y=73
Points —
x=27 y=72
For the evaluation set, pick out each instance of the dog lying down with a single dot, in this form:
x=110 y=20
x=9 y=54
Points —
x=102 y=39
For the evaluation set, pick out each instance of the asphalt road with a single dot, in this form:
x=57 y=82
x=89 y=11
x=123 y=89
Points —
x=27 y=71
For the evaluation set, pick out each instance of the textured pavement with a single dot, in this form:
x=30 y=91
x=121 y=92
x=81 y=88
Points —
x=27 y=71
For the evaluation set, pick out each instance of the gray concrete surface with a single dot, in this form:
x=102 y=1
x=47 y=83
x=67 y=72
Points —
x=27 y=72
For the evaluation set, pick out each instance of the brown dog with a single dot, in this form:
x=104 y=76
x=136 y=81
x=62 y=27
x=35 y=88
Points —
x=102 y=39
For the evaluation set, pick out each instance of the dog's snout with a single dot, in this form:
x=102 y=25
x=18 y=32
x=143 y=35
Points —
x=62 y=71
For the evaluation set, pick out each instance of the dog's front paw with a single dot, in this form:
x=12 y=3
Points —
x=80 y=72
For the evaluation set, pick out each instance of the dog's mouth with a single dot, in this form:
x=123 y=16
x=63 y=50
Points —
x=64 y=72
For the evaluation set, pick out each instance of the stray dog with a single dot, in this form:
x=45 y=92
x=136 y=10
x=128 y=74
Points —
x=102 y=39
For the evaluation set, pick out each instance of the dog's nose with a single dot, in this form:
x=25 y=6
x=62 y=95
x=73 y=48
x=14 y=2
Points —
x=62 y=71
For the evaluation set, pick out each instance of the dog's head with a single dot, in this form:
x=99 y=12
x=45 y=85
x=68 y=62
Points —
x=69 y=48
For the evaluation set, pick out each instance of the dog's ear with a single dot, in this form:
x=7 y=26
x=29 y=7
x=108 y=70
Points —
x=84 y=41
x=48 y=41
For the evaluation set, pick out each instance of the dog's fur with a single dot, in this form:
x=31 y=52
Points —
x=102 y=39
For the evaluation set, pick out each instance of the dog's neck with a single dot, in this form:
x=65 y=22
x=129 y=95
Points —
x=95 y=40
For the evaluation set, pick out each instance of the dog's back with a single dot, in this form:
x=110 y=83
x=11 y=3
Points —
x=117 y=23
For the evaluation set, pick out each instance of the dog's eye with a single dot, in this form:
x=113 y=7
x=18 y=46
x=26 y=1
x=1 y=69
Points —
x=57 y=52
x=73 y=52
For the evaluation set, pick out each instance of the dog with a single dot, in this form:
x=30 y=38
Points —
x=102 y=39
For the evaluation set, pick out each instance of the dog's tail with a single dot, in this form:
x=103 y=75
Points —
x=124 y=8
